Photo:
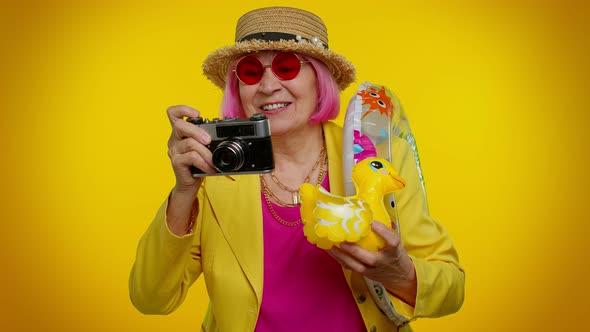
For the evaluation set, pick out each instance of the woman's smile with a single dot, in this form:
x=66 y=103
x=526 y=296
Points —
x=274 y=107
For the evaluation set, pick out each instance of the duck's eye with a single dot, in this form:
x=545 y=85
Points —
x=376 y=165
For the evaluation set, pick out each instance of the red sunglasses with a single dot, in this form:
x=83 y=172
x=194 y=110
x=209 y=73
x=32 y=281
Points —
x=285 y=66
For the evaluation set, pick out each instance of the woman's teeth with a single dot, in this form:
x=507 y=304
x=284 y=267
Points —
x=273 y=106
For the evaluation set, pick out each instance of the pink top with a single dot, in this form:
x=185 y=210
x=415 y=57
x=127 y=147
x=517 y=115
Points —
x=304 y=287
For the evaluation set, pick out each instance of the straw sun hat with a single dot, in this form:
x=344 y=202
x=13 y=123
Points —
x=279 y=29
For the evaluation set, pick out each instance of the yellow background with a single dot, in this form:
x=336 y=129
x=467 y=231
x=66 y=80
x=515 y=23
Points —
x=496 y=92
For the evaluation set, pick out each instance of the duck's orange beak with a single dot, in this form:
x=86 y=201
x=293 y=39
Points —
x=400 y=183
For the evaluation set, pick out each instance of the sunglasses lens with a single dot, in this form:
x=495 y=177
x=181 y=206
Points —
x=286 y=66
x=249 y=70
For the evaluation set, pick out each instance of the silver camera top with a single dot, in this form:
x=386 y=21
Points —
x=255 y=127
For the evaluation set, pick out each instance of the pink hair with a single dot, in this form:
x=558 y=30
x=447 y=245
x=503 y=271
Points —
x=328 y=94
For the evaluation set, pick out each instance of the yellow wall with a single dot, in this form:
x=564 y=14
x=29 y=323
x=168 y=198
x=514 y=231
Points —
x=496 y=92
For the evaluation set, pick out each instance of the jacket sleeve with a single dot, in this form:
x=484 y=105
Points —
x=165 y=266
x=440 y=277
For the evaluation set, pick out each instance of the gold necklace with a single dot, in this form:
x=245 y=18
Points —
x=307 y=178
x=295 y=192
x=270 y=193
x=277 y=217
x=266 y=191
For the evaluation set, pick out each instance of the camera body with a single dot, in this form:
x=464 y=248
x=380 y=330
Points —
x=239 y=146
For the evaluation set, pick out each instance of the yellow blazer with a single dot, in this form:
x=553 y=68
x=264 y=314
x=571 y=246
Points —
x=227 y=248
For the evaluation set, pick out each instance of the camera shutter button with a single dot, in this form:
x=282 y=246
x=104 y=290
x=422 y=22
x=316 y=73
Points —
x=258 y=116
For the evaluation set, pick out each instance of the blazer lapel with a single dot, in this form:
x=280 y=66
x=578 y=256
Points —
x=236 y=202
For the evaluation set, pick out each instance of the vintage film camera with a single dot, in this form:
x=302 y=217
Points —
x=239 y=146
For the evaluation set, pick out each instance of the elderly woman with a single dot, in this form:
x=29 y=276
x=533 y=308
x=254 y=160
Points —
x=244 y=232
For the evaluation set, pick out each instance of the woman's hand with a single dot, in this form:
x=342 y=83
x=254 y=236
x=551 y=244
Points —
x=391 y=266
x=187 y=146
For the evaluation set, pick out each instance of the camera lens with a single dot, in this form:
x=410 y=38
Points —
x=229 y=156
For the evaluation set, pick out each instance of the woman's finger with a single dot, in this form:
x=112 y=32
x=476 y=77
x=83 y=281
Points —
x=178 y=112
x=184 y=129
x=187 y=145
x=347 y=261
x=390 y=236
x=181 y=163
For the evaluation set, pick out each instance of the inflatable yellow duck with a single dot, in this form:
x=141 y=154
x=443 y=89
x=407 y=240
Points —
x=329 y=219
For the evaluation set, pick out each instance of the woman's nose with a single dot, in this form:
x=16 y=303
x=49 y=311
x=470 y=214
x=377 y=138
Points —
x=269 y=83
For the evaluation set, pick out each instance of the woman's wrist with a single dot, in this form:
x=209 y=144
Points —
x=180 y=214
x=405 y=288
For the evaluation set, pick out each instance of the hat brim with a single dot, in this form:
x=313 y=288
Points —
x=216 y=65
